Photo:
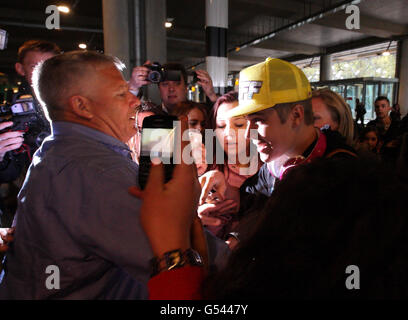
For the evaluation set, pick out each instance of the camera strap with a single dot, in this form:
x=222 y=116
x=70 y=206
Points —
x=24 y=149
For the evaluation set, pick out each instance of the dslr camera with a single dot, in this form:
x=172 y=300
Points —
x=159 y=74
x=26 y=119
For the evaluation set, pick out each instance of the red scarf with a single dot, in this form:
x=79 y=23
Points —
x=317 y=152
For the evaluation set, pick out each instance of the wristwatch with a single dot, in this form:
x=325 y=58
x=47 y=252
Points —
x=175 y=259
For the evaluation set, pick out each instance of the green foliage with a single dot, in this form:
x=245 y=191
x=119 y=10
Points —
x=377 y=66
x=312 y=73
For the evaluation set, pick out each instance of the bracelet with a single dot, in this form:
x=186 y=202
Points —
x=175 y=259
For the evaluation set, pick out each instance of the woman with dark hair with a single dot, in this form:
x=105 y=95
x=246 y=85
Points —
x=197 y=116
x=234 y=162
x=370 y=139
x=369 y=144
x=195 y=112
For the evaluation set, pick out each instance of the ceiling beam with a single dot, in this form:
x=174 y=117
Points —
x=248 y=13
x=292 y=47
x=368 y=25
x=298 y=23
x=245 y=59
x=344 y=47
x=277 y=10
x=285 y=8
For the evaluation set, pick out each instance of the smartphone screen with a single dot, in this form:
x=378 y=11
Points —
x=158 y=141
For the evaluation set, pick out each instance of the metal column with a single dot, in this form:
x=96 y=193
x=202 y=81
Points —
x=156 y=41
x=116 y=31
x=216 y=43
x=134 y=32
x=325 y=67
x=402 y=75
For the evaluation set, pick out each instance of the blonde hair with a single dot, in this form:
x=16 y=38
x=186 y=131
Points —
x=339 y=111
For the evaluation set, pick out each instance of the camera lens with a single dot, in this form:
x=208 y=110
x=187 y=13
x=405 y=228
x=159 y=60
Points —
x=154 y=76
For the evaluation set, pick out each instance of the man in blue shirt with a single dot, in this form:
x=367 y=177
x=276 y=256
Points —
x=78 y=234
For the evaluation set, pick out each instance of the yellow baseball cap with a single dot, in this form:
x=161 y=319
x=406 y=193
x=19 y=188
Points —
x=266 y=84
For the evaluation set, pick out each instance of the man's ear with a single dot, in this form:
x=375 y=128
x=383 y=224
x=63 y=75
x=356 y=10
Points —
x=81 y=107
x=19 y=69
x=297 y=115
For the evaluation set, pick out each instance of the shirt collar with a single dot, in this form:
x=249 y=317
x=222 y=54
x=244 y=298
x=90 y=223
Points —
x=64 y=128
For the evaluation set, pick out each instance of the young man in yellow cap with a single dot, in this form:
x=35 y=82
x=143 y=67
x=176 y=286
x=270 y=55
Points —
x=275 y=96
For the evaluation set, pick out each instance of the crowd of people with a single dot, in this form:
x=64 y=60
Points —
x=300 y=192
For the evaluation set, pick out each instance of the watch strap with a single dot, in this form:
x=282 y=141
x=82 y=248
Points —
x=175 y=259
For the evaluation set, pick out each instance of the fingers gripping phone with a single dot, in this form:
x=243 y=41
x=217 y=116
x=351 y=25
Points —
x=158 y=142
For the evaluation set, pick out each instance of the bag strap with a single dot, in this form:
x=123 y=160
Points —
x=334 y=152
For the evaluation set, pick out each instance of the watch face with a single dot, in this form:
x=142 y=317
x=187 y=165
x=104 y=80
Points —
x=174 y=259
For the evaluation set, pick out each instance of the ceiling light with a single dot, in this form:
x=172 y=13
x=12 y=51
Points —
x=169 y=23
x=82 y=46
x=63 y=9
x=387 y=52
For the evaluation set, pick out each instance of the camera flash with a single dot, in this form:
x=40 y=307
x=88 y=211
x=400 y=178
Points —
x=63 y=9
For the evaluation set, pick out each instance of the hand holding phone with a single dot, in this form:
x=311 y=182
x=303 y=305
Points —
x=158 y=142
x=169 y=211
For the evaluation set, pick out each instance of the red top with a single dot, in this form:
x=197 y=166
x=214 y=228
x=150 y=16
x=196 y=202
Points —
x=178 y=284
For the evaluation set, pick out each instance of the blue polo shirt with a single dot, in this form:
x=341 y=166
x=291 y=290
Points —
x=75 y=213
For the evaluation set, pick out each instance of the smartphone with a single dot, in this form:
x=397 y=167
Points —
x=159 y=135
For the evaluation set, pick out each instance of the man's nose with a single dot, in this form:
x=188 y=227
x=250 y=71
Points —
x=229 y=133
x=248 y=129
